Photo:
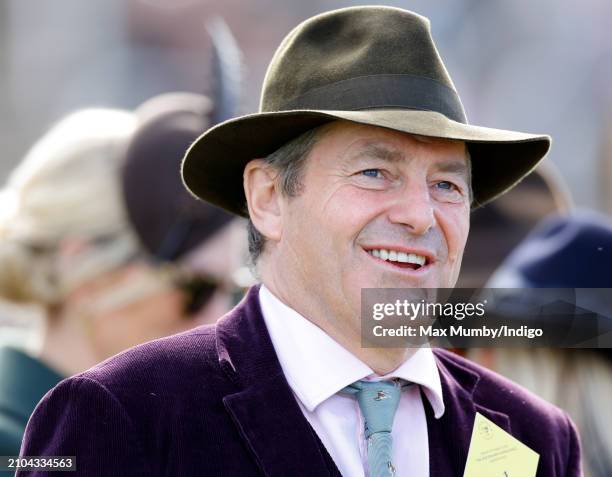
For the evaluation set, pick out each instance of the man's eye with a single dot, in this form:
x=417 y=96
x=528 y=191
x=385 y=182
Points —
x=446 y=185
x=446 y=191
x=371 y=173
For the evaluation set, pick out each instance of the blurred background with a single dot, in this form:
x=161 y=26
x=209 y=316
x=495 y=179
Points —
x=543 y=67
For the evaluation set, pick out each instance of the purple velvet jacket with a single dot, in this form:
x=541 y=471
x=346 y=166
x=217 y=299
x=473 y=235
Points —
x=214 y=402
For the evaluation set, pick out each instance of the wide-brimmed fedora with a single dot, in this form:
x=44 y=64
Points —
x=370 y=65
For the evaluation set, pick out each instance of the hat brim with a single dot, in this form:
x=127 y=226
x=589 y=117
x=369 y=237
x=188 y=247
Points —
x=214 y=164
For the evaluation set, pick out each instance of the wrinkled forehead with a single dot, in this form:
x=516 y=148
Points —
x=349 y=141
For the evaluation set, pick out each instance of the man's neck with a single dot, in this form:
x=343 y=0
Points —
x=381 y=360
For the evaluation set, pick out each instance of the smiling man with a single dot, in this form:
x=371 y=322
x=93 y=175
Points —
x=346 y=223
x=360 y=171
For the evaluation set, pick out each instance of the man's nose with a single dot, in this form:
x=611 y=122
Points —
x=413 y=208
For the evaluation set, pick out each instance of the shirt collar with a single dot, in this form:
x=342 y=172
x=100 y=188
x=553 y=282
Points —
x=317 y=367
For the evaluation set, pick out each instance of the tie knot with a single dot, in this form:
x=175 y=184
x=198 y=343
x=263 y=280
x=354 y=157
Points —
x=378 y=401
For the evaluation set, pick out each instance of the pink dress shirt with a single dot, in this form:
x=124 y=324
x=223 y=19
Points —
x=317 y=368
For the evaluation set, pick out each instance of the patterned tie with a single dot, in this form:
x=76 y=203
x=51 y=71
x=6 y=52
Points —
x=378 y=401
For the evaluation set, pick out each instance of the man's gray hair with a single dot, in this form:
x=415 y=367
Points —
x=289 y=161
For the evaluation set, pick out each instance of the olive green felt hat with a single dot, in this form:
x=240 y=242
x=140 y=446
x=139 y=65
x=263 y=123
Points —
x=371 y=65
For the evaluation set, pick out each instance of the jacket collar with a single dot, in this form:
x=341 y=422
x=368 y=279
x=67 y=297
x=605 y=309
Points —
x=264 y=409
x=450 y=436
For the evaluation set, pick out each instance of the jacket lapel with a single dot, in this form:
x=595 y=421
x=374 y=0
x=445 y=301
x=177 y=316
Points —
x=265 y=410
x=450 y=436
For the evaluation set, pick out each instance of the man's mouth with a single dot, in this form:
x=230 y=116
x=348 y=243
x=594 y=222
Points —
x=399 y=258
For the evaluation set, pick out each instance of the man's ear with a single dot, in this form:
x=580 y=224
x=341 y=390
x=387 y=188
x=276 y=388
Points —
x=263 y=199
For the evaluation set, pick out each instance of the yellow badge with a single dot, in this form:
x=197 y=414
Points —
x=495 y=453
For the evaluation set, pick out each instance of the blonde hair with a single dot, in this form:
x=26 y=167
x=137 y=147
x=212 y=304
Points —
x=66 y=186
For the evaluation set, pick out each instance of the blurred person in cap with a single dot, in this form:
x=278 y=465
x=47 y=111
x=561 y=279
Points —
x=564 y=252
x=499 y=227
x=79 y=244
x=174 y=227
x=359 y=171
x=204 y=240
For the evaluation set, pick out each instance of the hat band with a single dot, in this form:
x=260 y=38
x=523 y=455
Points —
x=383 y=91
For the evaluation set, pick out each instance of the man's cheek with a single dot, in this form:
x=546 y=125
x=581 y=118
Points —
x=458 y=227
x=456 y=270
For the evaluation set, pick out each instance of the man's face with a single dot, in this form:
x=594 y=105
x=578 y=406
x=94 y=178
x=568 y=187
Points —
x=378 y=209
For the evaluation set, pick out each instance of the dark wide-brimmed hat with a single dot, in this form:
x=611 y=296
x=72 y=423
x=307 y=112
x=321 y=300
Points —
x=371 y=65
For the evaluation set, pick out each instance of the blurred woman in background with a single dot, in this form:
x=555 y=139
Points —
x=69 y=251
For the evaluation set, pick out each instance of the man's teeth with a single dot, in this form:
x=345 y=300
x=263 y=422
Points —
x=394 y=256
